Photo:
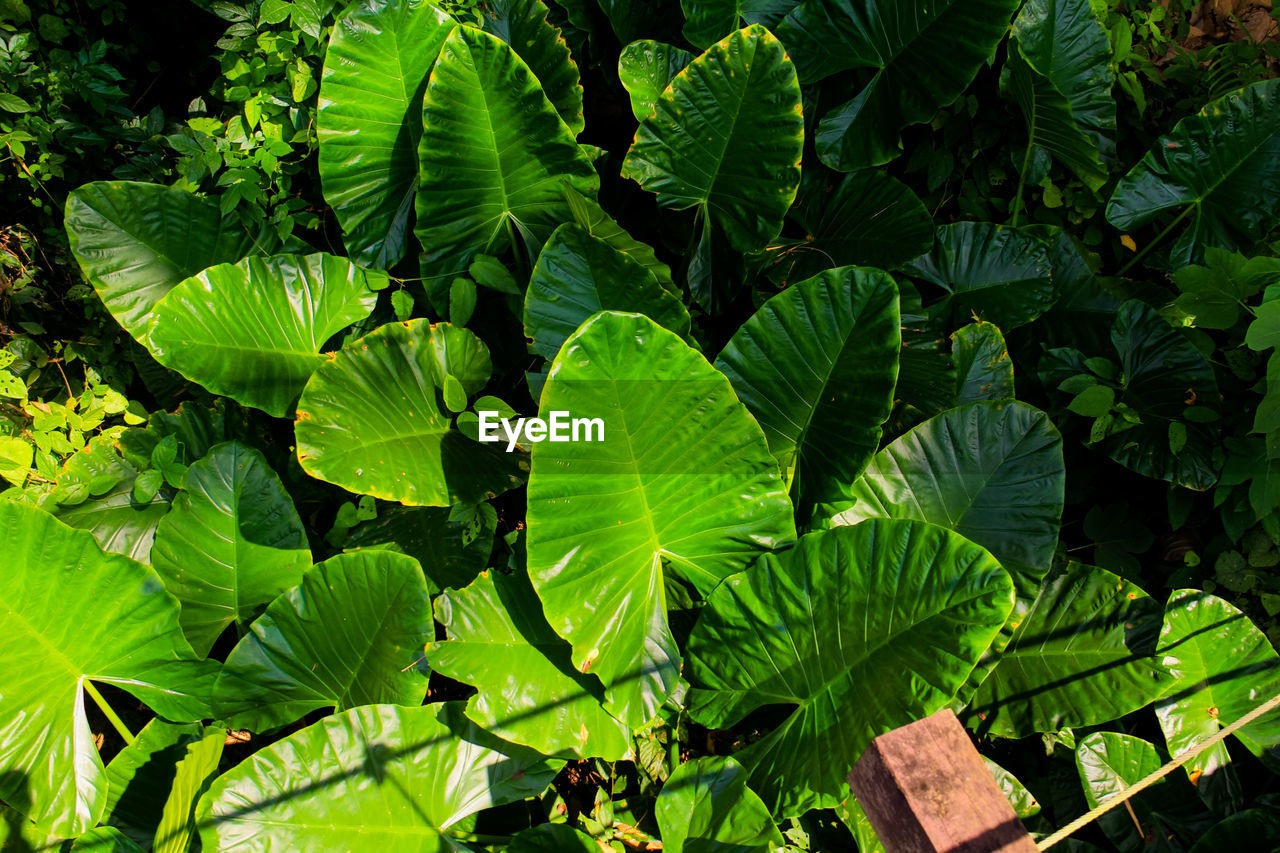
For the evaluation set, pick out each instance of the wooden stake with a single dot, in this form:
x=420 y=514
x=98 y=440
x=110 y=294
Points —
x=925 y=789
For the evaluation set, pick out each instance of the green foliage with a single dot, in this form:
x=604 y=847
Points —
x=871 y=321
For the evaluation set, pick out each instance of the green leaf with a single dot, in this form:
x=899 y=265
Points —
x=992 y=472
x=119 y=522
x=578 y=275
x=16 y=458
x=14 y=104
x=726 y=136
x=141 y=775
x=523 y=25
x=104 y=839
x=918 y=55
x=1215 y=166
x=706 y=807
x=230 y=544
x=660 y=506
x=646 y=68
x=369 y=121
x=592 y=217
x=377 y=777
x=1082 y=655
x=370 y=419
x=1264 y=331
x=493 y=274
x=492 y=157
x=529 y=693
x=135 y=242
x=1023 y=801
x=816 y=367
x=351 y=633
x=1249 y=828
x=70 y=612
x=1224 y=667
x=194 y=773
x=1214 y=293
x=253 y=330
x=449 y=557
x=1061 y=76
x=897 y=610
x=1094 y=401
x=1000 y=274
x=462 y=301
x=984 y=370
x=864 y=219
x=552 y=838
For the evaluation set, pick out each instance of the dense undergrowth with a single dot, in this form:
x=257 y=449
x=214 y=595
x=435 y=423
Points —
x=932 y=343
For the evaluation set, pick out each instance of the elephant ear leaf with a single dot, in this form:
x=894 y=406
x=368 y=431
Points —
x=373 y=421
x=135 y=242
x=646 y=68
x=816 y=366
x=578 y=275
x=523 y=25
x=231 y=543
x=493 y=155
x=658 y=511
x=1059 y=72
x=307 y=652
x=740 y=101
x=253 y=330
x=395 y=777
x=369 y=120
x=1217 y=167
x=898 y=610
x=706 y=805
x=919 y=55
x=72 y=615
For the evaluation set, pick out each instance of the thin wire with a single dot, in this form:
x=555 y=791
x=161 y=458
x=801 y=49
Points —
x=1125 y=794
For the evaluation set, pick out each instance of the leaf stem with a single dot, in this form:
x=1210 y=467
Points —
x=1181 y=216
x=109 y=712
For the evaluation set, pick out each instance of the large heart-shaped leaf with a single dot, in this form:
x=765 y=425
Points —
x=369 y=119
x=816 y=366
x=351 y=633
x=530 y=694
x=689 y=497
x=920 y=55
x=895 y=610
x=646 y=68
x=1060 y=74
x=708 y=21
x=864 y=219
x=1224 y=668
x=135 y=242
x=591 y=216
x=231 y=543
x=1083 y=655
x=71 y=613
x=706 y=807
x=726 y=136
x=493 y=156
x=253 y=330
x=1217 y=166
x=1000 y=274
x=990 y=471
x=141 y=774
x=379 y=777
x=371 y=419
x=578 y=275
x=984 y=370
x=523 y=25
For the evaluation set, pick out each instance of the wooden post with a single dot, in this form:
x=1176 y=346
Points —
x=925 y=789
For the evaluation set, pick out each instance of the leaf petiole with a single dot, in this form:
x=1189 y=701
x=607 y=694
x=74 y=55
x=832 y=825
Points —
x=109 y=713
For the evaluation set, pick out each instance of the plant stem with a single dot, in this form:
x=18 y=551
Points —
x=1181 y=216
x=109 y=712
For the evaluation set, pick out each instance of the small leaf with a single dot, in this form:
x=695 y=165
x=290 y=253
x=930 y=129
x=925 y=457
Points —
x=14 y=104
x=462 y=301
x=490 y=272
x=1093 y=402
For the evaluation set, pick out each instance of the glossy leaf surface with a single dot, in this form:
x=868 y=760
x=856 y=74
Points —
x=523 y=24
x=645 y=68
x=231 y=543
x=72 y=612
x=894 y=609
x=253 y=330
x=369 y=120
x=706 y=807
x=688 y=498
x=349 y=634
x=984 y=370
x=727 y=136
x=816 y=366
